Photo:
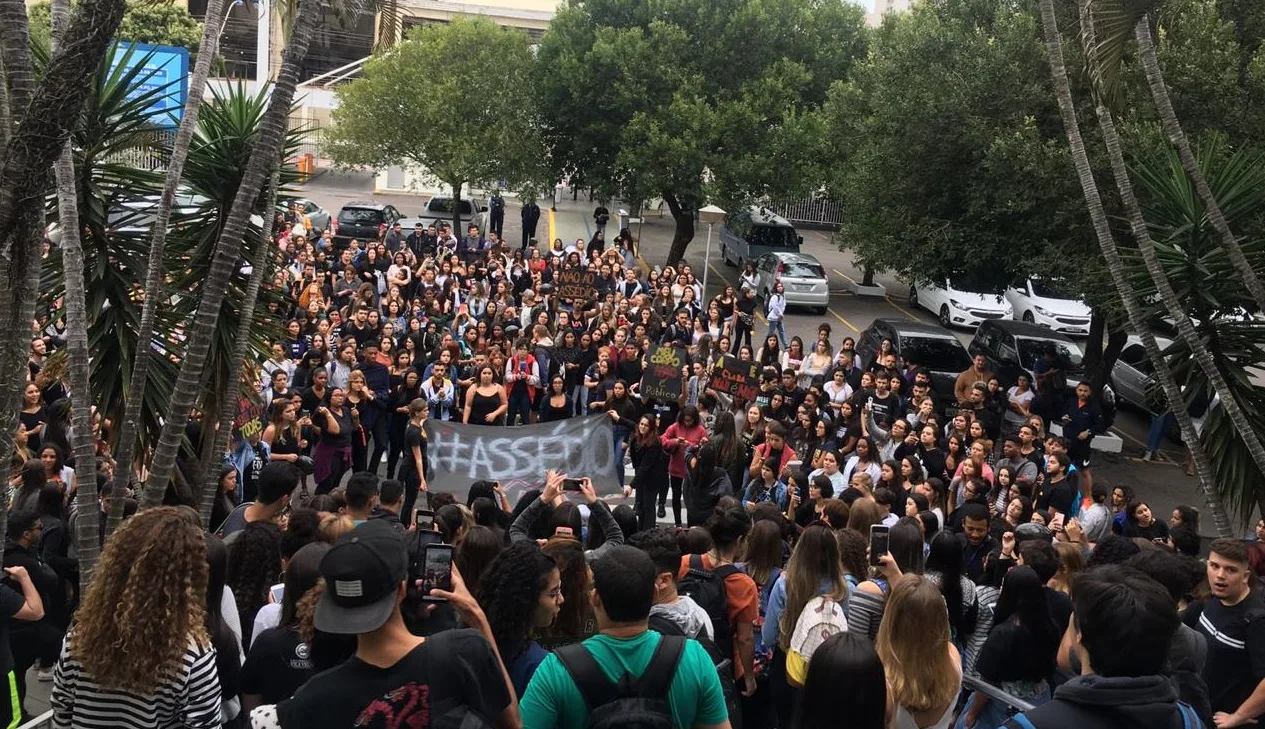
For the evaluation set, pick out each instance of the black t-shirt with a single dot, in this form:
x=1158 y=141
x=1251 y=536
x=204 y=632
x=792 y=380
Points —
x=886 y=409
x=412 y=437
x=453 y=669
x=1059 y=495
x=1010 y=654
x=11 y=601
x=254 y=467
x=1236 y=650
x=276 y=666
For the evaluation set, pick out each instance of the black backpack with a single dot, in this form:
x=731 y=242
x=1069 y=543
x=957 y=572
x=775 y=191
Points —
x=633 y=703
x=707 y=588
x=722 y=662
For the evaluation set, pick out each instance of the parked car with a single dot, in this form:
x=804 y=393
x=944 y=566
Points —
x=750 y=233
x=363 y=221
x=958 y=306
x=316 y=215
x=1131 y=375
x=439 y=211
x=1044 y=301
x=1014 y=347
x=929 y=345
x=803 y=279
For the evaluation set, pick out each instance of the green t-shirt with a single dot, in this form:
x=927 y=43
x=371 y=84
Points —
x=552 y=699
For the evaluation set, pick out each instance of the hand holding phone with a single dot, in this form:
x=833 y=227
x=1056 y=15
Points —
x=436 y=571
x=572 y=484
x=879 y=535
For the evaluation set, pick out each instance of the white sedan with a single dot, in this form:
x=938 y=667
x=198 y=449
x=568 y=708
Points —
x=1043 y=301
x=956 y=306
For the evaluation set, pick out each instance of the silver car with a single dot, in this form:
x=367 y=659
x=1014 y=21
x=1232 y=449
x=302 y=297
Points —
x=316 y=215
x=1131 y=374
x=803 y=279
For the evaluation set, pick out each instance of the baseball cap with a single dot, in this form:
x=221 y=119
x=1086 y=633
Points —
x=362 y=575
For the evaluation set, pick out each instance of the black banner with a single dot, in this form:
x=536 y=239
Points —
x=661 y=379
x=576 y=284
x=738 y=378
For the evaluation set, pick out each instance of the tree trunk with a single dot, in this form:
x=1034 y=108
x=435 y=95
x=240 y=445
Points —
x=684 y=232
x=1146 y=246
x=262 y=160
x=125 y=449
x=456 y=211
x=6 y=115
x=1120 y=281
x=87 y=531
x=1176 y=135
x=241 y=345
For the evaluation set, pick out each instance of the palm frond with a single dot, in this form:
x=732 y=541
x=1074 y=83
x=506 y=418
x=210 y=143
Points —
x=1114 y=21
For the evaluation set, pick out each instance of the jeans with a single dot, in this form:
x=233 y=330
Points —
x=741 y=330
x=675 y=483
x=520 y=402
x=381 y=441
x=580 y=398
x=1159 y=424
x=621 y=446
x=776 y=326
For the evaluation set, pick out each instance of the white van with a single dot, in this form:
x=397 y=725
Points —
x=750 y=233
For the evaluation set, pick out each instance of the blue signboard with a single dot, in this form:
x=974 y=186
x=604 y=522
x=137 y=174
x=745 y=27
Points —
x=165 y=73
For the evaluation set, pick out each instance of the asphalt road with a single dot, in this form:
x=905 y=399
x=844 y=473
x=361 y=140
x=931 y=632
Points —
x=1162 y=483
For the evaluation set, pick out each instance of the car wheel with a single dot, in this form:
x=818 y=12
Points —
x=1027 y=316
x=945 y=321
x=724 y=255
x=821 y=311
x=913 y=295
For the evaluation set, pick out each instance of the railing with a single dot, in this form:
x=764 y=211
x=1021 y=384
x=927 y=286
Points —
x=43 y=721
x=975 y=683
x=816 y=210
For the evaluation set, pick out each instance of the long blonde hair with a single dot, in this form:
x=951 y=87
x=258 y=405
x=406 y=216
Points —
x=920 y=670
x=814 y=561
x=147 y=601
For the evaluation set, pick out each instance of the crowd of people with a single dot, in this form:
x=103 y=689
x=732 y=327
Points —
x=849 y=548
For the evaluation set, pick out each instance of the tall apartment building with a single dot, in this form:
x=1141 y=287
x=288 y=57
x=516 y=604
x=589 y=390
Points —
x=883 y=7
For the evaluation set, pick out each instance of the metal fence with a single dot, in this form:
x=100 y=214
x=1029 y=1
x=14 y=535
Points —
x=975 y=683
x=310 y=130
x=150 y=152
x=813 y=212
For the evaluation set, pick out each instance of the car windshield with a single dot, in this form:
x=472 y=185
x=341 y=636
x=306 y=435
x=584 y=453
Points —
x=972 y=289
x=359 y=216
x=444 y=205
x=771 y=236
x=1067 y=354
x=937 y=353
x=1051 y=289
x=802 y=269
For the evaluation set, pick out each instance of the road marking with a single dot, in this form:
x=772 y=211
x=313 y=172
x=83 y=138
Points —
x=1123 y=434
x=900 y=308
x=845 y=276
x=846 y=323
x=553 y=235
x=1165 y=462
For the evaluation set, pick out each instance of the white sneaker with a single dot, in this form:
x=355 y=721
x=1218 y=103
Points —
x=44 y=675
x=1148 y=455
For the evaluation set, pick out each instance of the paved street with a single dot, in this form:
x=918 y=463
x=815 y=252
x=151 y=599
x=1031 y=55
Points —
x=1162 y=483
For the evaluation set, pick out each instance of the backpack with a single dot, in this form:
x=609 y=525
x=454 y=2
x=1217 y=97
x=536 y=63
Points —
x=707 y=588
x=722 y=662
x=820 y=619
x=640 y=703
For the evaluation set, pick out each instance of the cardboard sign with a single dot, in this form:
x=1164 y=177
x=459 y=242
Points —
x=576 y=284
x=740 y=379
x=661 y=379
x=249 y=419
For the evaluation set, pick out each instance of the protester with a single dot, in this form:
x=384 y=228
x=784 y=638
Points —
x=923 y=667
x=520 y=593
x=1233 y=622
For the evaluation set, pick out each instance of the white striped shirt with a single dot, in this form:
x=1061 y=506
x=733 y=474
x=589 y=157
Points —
x=188 y=700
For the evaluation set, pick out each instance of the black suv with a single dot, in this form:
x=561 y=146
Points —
x=928 y=345
x=362 y=221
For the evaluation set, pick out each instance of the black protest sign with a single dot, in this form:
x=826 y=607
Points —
x=576 y=284
x=736 y=377
x=661 y=378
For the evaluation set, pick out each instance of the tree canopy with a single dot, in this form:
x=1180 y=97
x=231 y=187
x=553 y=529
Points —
x=456 y=99
x=158 y=23
x=693 y=100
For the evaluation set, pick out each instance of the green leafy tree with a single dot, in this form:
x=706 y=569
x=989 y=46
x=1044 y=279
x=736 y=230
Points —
x=159 y=23
x=456 y=99
x=693 y=100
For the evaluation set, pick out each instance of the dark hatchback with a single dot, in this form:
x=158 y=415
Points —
x=928 y=345
x=362 y=221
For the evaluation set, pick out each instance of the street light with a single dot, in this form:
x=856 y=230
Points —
x=228 y=13
x=710 y=215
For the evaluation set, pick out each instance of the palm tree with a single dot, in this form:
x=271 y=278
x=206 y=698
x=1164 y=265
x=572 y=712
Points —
x=130 y=422
x=263 y=159
x=45 y=115
x=259 y=264
x=84 y=445
x=1106 y=241
x=1095 y=54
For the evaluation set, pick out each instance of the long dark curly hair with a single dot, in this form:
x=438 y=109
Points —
x=509 y=592
x=254 y=565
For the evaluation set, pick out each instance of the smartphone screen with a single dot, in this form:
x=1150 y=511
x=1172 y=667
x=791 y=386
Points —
x=570 y=484
x=278 y=593
x=436 y=570
x=878 y=542
x=425 y=520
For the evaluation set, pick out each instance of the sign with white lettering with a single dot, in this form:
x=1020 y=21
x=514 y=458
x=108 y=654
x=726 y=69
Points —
x=520 y=456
